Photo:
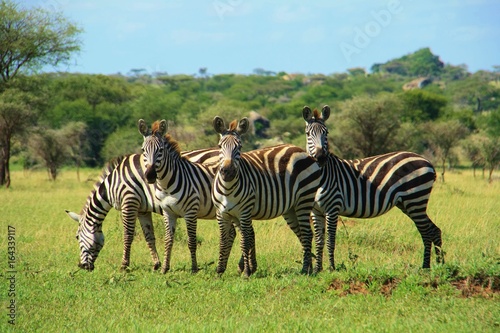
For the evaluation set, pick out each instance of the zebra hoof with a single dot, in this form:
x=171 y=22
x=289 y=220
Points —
x=156 y=266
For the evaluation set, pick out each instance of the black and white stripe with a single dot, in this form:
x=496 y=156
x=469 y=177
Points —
x=368 y=187
x=122 y=185
x=183 y=188
x=261 y=184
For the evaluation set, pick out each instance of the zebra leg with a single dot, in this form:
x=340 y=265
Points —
x=170 y=224
x=318 y=221
x=428 y=230
x=247 y=247
x=149 y=234
x=227 y=234
x=191 y=224
x=331 y=226
x=437 y=241
x=241 y=263
x=129 y=215
x=253 y=257
x=298 y=220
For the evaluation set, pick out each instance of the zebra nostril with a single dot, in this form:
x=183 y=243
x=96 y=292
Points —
x=150 y=174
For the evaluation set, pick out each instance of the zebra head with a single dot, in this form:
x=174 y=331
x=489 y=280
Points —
x=230 y=146
x=317 y=133
x=90 y=238
x=153 y=148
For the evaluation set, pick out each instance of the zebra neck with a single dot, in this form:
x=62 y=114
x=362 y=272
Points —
x=227 y=187
x=170 y=173
x=98 y=205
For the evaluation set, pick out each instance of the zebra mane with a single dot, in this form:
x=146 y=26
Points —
x=106 y=170
x=233 y=125
x=112 y=164
x=317 y=117
x=174 y=145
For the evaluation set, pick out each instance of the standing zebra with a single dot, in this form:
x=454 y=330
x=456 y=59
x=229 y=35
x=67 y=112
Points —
x=122 y=186
x=368 y=187
x=261 y=184
x=183 y=187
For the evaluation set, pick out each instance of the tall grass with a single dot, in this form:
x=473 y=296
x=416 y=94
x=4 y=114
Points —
x=379 y=286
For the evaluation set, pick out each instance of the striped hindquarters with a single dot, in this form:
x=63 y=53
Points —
x=371 y=186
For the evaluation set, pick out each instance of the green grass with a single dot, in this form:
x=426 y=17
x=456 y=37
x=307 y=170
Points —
x=379 y=287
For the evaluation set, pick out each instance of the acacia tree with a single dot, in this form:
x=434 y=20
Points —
x=443 y=137
x=76 y=142
x=29 y=40
x=368 y=125
x=48 y=146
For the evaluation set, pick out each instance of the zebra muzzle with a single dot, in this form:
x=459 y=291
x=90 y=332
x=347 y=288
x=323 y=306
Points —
x=320 y=157
x=87 y=266
x=228 y=173
x=150 y=174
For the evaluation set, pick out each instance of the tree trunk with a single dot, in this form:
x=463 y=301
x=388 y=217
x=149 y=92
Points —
x=4 y=164
x=53 y=172
x=444 y=167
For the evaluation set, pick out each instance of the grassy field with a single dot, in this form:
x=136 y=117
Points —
x=379 y=286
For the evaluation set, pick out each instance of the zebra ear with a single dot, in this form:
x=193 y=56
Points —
x=219 y=125
x=325 y=112
x=307 y=113
x=73 y=216
x=243 y=125
x=143 y=128
x=162 y=129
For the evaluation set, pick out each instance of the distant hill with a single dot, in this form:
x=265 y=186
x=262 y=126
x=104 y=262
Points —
x=420 y=63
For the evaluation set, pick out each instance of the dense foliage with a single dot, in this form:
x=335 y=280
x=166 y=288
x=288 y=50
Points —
x=372 y=113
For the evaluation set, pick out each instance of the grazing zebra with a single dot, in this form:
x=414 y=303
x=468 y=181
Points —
x=261 y=184
x=122 y=186
x=368 y=187
x=183 y=187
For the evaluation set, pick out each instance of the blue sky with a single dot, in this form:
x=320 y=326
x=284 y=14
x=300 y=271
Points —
x=237 y=36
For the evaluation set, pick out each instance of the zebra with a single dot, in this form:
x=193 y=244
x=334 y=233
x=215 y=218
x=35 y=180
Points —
x=183 y=188
x=122 y=186
x=368 y=187
x=261 y=184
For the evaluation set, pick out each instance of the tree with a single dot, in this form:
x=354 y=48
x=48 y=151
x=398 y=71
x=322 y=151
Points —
x=472 y=149
x=443 y=136
x=490 y=149
x=420 y=105
x=76 y=143
x=369 y=125
x=17 y=112
x=29 y=40
x=49 y=146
